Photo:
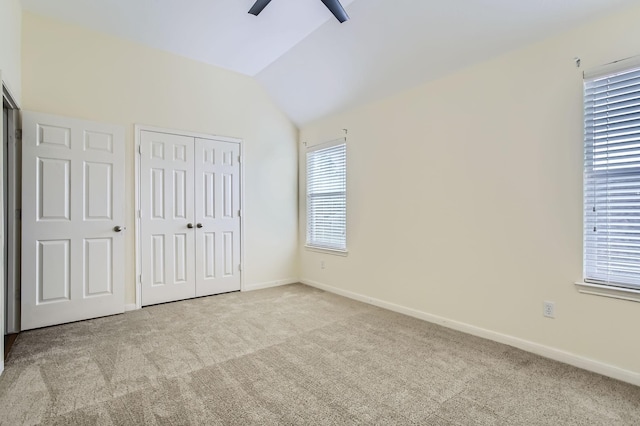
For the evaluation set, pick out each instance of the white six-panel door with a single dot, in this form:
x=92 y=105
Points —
x=168 y=231
x=189 y=217
x=217 y=189
x=72 y=220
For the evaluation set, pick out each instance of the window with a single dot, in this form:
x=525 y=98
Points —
x=612 y=177
x=327 y=196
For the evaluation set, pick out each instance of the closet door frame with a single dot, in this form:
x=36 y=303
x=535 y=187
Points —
x=138 y=128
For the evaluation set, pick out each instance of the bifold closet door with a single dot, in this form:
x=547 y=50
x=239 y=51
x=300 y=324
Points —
x=167 y=226
x=217 y=198
x=72 y=220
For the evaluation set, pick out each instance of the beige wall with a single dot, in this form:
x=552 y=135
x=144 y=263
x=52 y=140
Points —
x=71 y=71
x=465 y=198
x=10 y=27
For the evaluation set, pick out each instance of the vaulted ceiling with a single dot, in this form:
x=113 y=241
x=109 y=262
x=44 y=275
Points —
x=312 y=65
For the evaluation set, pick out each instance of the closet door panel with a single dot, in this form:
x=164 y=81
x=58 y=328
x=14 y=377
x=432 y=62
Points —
x=167 y=212
x=217 y=204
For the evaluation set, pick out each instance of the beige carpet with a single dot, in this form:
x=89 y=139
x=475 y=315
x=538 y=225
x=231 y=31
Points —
x=293 y=356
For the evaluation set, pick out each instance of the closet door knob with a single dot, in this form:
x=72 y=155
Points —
x=199 y=226
x=117 y=229
x=190 y=225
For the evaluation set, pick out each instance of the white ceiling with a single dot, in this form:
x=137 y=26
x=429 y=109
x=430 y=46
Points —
x=309 y=63
x=218 y=32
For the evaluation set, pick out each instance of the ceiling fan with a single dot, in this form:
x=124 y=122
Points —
x=333 y=5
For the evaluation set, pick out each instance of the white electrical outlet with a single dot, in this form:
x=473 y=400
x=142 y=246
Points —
x=549 y=309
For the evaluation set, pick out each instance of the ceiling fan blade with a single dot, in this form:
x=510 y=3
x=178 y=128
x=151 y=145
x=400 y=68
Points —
x=336 y=8
x=258 y=6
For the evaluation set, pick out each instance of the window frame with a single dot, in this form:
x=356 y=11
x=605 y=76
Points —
x=593 y=286
x=310 y=246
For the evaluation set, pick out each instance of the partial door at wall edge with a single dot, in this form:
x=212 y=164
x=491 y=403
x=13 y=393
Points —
x=72 y=220
x=12 y=187
x=189 y=216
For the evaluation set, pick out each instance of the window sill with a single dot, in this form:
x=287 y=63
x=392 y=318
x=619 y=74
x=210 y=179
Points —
x=609 y=291
x=328 y=251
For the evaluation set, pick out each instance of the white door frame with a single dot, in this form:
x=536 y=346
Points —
x=13 y=236
x=140 y=128
x=2 y=266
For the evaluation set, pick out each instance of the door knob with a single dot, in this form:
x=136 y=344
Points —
x=190 y=225
x=117 y=228
x=199 y=226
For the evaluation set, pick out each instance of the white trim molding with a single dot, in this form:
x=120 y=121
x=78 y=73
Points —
x=526 y=345
x=335 y=252
x=131 y=307
x=270 y=284
x=143 y=127
x=609 y=291
x=137 y=231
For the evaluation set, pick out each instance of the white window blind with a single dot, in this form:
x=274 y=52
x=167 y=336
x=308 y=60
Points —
x=612 y=178
x=327 y=196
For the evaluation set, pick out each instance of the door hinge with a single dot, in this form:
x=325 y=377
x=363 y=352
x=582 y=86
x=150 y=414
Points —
x=139 y=214
x=18 y=134
x=240 y=267
x=239 y=213
x=140 y=278
x=18 y=214
x=140 y=149
x=239 y=159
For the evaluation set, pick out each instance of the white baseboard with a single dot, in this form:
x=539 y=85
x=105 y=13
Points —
x=526 y=345
x=278 y=283
x=130 y=307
